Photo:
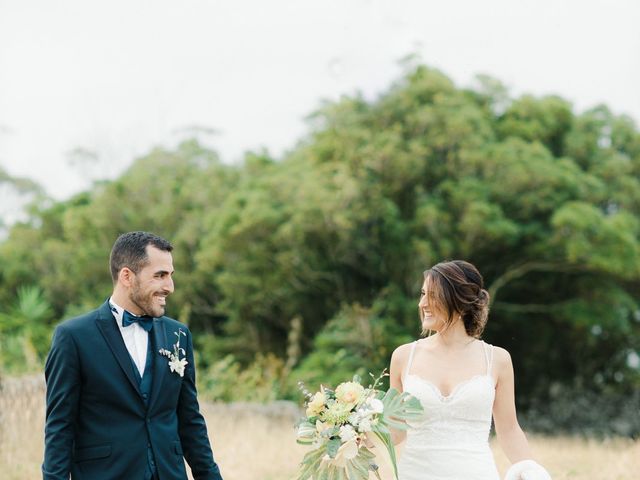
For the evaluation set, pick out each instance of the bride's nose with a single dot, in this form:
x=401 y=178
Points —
x=423 y=302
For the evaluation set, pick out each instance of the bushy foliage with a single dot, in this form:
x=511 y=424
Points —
x=25 y=332
x=337 y=234
x=358 y=340
x=584 y=412
x=228 y=380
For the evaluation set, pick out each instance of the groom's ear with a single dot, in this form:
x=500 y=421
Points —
x=125 y=276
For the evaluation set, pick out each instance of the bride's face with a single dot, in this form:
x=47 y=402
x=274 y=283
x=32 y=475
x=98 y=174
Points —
x=431 y=315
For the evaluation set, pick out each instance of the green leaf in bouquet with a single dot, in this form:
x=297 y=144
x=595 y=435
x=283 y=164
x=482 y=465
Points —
x=358 y=468
x=330 y=394
x=311 y=464
x=304 y=441
x=382 y=429
x=331 y=472
x=332 y=447
x=388 y=443
x=306 y=433
x=336 y=473
x=322 y=474
x=399 y=408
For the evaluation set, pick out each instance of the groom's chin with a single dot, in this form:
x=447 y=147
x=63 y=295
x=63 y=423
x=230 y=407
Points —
x=156 y=311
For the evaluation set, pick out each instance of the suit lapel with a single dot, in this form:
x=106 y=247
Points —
x=107 y=326
x=160 y=363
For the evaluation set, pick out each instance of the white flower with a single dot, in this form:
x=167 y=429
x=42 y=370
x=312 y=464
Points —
x=364 y=425
x=346 y=452
x=178 y=365
x=347 y=433
x=376 y=405
x=354 y=418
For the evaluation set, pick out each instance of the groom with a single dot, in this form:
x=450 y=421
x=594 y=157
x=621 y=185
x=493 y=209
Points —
x=116 y=409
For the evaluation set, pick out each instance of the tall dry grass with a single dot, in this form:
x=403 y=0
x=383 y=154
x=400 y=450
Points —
x=258 y=442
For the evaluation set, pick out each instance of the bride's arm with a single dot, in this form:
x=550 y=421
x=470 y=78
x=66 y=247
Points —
x=398 y=360
x=510 y=436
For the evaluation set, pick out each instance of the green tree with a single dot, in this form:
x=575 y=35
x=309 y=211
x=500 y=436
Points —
x=337 y=232
x=24 y=331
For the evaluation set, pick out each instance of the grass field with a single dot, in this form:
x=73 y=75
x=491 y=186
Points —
x=258 y=442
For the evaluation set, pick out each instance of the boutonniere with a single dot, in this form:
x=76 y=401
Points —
x=176 y=364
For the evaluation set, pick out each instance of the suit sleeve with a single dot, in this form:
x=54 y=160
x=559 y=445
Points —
x=62 y=376
x=192 y=427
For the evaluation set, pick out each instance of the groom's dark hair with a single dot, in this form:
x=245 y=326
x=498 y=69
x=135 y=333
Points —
x=130 y=250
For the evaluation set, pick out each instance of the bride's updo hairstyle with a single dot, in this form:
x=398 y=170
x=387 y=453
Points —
x=456 y=288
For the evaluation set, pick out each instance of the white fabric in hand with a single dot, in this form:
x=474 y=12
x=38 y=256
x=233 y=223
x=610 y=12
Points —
x=527 y=470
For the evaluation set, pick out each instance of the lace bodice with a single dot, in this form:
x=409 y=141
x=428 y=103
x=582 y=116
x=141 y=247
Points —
x=463 y=416
x=451 y=440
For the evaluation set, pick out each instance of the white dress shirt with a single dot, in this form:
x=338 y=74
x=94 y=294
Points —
x=136 y=338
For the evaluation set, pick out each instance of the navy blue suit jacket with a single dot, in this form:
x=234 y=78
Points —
x=97 y=425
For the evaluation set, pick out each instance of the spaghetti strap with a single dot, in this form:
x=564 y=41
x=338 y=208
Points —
x=408 y=367
x=488 y=355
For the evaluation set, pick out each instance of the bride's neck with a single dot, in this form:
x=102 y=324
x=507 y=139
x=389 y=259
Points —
x=453 y=337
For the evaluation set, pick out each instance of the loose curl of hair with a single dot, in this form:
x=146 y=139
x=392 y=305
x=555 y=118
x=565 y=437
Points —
x=457 y=288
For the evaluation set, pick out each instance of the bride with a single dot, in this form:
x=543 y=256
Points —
x=460 y=381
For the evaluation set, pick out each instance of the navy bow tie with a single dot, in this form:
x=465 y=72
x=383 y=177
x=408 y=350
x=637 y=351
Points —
x=145 y=321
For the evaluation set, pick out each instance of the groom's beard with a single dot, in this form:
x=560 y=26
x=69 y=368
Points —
x=146 y=301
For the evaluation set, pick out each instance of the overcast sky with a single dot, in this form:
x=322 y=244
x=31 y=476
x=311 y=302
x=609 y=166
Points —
x=118 y=77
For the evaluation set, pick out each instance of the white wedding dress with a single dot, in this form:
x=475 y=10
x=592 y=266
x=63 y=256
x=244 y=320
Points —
x=451 y=442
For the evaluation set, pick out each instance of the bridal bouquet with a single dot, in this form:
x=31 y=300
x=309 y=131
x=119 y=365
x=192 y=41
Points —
x=340 y=424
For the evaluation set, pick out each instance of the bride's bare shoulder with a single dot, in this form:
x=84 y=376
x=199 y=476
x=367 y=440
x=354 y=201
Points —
x=502 y=358
x=400 y=355
x=403 y=350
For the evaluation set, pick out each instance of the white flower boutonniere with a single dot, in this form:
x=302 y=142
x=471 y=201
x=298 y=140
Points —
x=176 y=364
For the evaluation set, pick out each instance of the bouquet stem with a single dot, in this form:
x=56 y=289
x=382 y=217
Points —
x=375 y=469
